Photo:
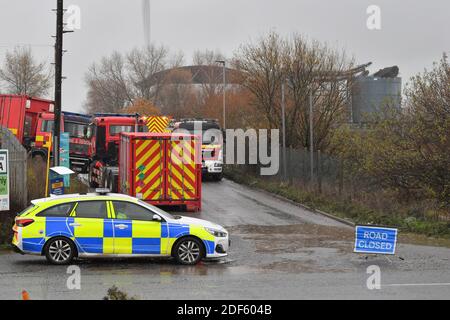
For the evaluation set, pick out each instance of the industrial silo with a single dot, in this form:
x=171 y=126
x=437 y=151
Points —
x=371 y=93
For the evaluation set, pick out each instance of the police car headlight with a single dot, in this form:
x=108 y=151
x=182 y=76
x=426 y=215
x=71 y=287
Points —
x=216 y=233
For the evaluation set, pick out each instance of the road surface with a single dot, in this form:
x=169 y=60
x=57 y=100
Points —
x=279 y=251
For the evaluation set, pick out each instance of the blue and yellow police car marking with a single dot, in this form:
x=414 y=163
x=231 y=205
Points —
x=110 y=235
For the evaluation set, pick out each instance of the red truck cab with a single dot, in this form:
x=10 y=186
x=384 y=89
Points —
x=103 y=134
x=20 y=114
x=72 y=123
x=44 y=131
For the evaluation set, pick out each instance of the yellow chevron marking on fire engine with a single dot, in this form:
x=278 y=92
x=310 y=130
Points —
x=142 y=158
x=158 y=124
x=156 y=196
x=142 y=147
x=181 y=170
x=181 y=153
x=147 y=168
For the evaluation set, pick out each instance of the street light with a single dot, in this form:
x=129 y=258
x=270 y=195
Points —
x=224 y=90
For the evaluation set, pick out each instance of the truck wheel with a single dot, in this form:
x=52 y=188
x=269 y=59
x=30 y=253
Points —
x=59 y=250
x=92 y=184
x=218 y=177
x=189 y=251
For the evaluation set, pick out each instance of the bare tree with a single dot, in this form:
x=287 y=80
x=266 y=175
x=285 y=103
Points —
x=22 y=74
x=305 y=67
x=118 y=80
x=313 y=69
x=209 y=58
x=262 y=70
x=109 y=90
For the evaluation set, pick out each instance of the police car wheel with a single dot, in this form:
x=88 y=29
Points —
x=59 y=251
x=189 y=251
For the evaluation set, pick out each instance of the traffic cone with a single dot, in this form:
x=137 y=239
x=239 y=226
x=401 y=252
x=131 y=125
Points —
x=25 y=295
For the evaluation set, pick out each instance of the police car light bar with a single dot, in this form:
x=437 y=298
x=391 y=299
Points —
x=102 y=191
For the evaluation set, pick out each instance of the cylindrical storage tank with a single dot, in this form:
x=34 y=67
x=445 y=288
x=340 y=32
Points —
x=370 y=94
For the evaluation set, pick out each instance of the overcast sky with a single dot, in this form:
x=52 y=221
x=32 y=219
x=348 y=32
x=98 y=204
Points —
x=414 y=32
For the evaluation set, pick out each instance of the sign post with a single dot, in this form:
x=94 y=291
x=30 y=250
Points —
x=377 y=240
x=64 y=159
x=4 y=180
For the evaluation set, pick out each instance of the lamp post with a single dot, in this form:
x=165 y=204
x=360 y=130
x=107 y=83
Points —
x=283 y=124
x=311 y=132
x=224 y=91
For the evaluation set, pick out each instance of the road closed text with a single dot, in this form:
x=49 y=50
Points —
x=375 y=240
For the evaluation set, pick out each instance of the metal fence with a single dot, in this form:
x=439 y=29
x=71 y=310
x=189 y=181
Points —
x=17 y=168
x=325 y=172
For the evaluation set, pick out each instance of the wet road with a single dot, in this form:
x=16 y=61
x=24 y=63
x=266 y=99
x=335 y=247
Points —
x=279 y=251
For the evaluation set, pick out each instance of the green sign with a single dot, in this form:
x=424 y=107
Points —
x=4 y=180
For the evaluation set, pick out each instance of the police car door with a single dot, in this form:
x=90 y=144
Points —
x=91 y=229
x=135 y=232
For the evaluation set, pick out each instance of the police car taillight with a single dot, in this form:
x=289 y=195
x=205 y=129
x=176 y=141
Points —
x=24 y=222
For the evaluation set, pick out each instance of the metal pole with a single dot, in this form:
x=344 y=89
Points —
x=283 y=123
x=58 y=79
x=311 y=137
x=224 y=95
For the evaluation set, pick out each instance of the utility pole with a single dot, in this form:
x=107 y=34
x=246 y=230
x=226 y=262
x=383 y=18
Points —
x=58 y=79
x=283 y=124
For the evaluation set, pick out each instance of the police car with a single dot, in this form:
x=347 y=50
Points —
x=103 y=224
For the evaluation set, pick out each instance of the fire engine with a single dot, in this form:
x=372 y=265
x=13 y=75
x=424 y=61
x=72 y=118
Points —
x=212 y=144
x=103 y=134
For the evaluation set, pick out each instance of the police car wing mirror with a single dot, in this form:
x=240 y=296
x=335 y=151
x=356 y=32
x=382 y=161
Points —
x=156 y=217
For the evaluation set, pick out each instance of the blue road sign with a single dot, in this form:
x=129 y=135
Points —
x=375 y=240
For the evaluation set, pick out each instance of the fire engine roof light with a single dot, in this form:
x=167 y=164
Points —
x=102 y=191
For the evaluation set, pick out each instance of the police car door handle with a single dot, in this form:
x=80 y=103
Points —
x=75 y=225
x=121 y=226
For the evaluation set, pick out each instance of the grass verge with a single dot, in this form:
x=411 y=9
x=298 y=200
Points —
x=349 y=210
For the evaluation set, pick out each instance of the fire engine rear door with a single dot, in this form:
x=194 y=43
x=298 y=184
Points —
x=149 y=169
x=182 y=178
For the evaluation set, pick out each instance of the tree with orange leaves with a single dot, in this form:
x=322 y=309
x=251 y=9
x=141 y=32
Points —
x=143 y=107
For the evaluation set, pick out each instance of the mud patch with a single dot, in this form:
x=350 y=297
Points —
x=294 y=238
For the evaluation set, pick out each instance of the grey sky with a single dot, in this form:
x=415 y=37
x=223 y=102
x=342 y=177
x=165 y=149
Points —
x=414 y=32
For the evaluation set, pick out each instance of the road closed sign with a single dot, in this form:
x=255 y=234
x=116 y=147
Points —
x=376 y=240
x=4 y=180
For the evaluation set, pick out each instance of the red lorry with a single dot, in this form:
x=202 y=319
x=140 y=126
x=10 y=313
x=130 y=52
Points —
x=162 y=169
x=103 y=133
x=20 y=114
